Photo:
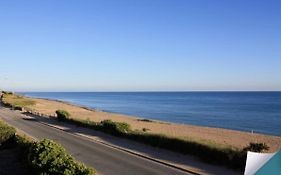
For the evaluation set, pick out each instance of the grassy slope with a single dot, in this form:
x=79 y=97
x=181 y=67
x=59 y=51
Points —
x=17 y=100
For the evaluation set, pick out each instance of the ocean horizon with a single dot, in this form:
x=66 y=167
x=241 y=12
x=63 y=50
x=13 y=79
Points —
x=250 y=111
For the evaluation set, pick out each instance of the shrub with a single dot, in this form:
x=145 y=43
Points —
x=23 y=141
x=256 y=147
x=48 y=157
x=115 y=128
x=62 y=115
x=145 y=120
x=145 y=129
x=7 y=92
x=6 y=132
x=20 y=108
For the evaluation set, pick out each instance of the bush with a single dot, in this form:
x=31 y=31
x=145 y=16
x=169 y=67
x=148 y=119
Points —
x=48 y=157
x=115 y=128
x=6 y=132
x=145 y=129
x=256 y=147
x=7 y=92
x=62 y=115
x=19 y=108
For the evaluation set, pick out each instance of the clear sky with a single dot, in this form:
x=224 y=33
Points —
x=144 y=45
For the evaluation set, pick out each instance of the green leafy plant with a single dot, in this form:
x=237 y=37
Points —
x=257 y=147
x=6 y=132
x=62 y=115
x=115 y=128
x=48 y=157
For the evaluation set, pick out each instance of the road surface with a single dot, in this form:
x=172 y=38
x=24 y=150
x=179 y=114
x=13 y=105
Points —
x=106 y=160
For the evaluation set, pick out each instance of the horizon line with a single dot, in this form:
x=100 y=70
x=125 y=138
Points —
x=153 y=91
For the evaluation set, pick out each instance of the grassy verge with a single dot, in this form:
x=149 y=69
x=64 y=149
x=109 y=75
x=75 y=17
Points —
x=17 y=102
x=215 y=154
x=43 y=157
x=211 y=153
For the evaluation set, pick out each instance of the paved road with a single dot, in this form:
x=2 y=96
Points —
x=106 y=160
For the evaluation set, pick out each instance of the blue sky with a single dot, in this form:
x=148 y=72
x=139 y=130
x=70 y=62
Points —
x=145 y=45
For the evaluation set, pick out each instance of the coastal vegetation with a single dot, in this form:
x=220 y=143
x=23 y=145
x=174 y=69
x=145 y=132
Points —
x=42 y=157
x=6 y=132
x=211 y=153
x=12 y=152
x=206 y=150
x=16 y=102
x=62 y=115
x=257 y=147
x=48 y=157
x=231 y=157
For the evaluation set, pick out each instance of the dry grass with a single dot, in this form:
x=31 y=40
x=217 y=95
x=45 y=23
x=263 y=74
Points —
x=17 y=100
x=208 y=135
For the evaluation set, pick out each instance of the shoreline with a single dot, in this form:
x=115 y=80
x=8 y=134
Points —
x=152 y=120
x=209 y=135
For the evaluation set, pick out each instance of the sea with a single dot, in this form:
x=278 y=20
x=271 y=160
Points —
x=258 y=112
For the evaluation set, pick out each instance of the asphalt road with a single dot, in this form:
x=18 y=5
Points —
x=106 y=160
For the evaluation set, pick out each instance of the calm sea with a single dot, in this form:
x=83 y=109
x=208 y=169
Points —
x=245 y=111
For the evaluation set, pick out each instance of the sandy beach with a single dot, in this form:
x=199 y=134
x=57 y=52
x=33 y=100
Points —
x=218 y=136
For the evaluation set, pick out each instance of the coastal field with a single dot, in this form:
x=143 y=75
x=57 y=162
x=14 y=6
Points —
x=216 y=136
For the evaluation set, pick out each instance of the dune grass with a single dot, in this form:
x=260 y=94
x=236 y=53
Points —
x=17 y=101
x=211 y=153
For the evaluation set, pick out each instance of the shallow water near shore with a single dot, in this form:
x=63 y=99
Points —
x=259 y=112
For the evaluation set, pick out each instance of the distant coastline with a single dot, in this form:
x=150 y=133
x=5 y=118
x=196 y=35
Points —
x=211 y=109
x=218 y=137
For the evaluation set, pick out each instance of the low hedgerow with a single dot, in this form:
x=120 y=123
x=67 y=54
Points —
x=48 y=157
x=62 y=115
x=6 y=132
x=115 y=128
x=234 y=158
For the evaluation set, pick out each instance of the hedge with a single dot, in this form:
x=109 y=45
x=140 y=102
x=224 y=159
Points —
x=6 y=132
x=62 y=115
x=44 y=157
x=230 y=157
x=48 y=157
